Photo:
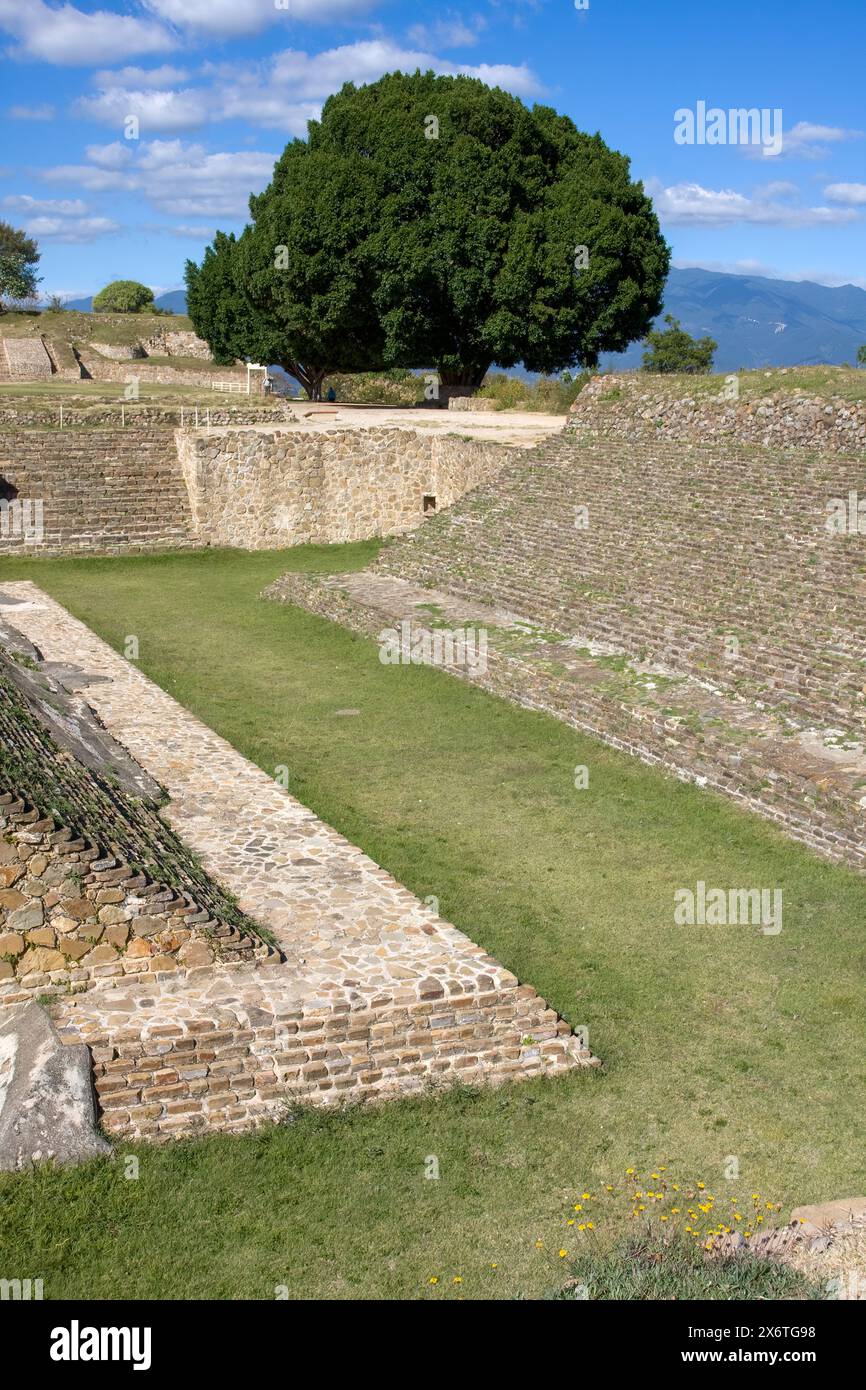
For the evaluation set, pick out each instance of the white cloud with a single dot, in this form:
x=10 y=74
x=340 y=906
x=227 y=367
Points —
x=282 y=93
x=194 y=233
x=22 y=202
x=180 y=179
x=71 y=229
x=449 y=31
x=231 y=18
x=807 y=140
x=115 y=155
x=164 y=76
x=65 y=35
x=157 y=111
x=689 y=204
x=317 y=75
x=853 y=194
x=194 y=184
x=88 y=176
x=45 y=112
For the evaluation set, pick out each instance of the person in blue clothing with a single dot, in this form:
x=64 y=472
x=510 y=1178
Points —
x=332 y=395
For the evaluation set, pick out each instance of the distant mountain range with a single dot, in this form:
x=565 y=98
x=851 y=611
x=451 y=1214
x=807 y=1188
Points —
x=757 y=322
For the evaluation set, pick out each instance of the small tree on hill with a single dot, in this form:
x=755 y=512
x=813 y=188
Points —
x=19 y=257
x=673 y=350
x=124 y=297
x=861 y=356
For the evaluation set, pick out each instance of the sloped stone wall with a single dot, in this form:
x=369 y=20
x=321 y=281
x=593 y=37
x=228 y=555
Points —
x=26 y=359
x=71 y=914
x=633 y=406
x=99 y=491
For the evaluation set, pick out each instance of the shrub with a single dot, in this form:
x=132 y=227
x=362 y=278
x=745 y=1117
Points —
x=124 y=297
x=673 y=350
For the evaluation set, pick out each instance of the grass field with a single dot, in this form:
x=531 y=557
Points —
x=722 y=1047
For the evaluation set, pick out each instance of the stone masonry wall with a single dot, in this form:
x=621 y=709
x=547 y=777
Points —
x=102 y=369
x=638 y=406
x=71 y=915
x=78 y=414
x=177 y=1055
x=258 y=490
x=100 y=490
x=177 y=342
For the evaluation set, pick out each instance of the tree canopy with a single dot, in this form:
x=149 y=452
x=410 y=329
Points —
x=124 y=297
x=436 y=221
x=19 y=257
x=674 y=350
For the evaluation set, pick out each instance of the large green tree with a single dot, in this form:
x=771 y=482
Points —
x=293 y=289
x=19 y=257
x=502 y=234
x=436 y=221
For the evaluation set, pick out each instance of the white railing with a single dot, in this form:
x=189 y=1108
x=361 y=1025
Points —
x=239 y=386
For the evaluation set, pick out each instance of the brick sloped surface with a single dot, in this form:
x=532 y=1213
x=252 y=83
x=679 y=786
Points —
x=697 y=613
x=104 y=491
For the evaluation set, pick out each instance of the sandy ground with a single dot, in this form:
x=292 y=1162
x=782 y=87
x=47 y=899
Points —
x=523 y=428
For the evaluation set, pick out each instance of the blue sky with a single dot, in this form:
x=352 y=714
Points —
x=217 y=86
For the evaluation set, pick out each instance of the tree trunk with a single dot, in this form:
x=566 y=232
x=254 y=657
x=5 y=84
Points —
x=462 y=380
x=311 y=378
x=459 y=381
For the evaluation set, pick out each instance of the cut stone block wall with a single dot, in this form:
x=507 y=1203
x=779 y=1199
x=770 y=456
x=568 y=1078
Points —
x=178 y=343
x=131 y=415
x=369 y=994
x=176 y=1056
x=258 y=490
x=102 y=369
x=70 y=914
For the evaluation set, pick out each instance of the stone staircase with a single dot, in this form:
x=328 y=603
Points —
x=26 y=359
x=102 y=491
x=686 y=546
x=683 y=601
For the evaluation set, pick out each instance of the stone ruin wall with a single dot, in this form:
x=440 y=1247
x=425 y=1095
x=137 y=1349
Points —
x=161 y=373
x=189 y=1030
x=262 y=490
x=72 y=914
x=144 y=486
x=633 y=405
x=177 y=1054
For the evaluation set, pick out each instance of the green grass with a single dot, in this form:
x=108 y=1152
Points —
x=717 y=1042
x=847 y=382
x=645 y=1268
x=73 y=325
